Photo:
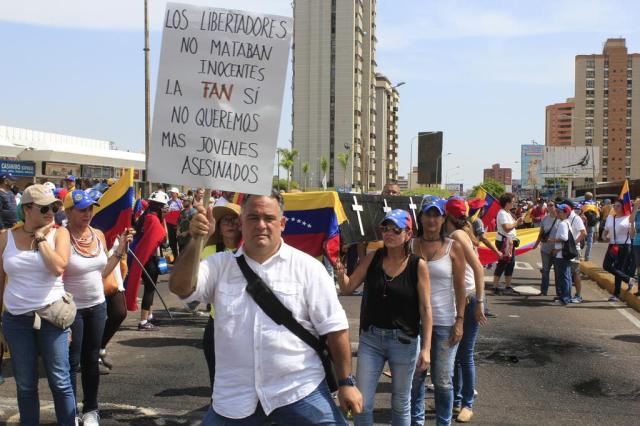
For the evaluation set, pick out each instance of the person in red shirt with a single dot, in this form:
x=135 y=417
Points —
x=538 y=212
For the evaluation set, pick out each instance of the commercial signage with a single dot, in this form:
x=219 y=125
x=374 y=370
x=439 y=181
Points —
x=97 y=172
x=18 y=168
x=571 y=161
x=531 y=161
x=61 y=169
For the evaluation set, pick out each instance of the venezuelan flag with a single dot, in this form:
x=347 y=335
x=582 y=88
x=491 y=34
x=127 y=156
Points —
x=116 y=208
x=527 y=239
x=490 y=211
x=625 y=196
x=313 y=220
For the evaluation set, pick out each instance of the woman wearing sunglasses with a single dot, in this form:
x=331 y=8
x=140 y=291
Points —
x=446 y=263
x=394 y=307
x=88 y=265
x=34 y=257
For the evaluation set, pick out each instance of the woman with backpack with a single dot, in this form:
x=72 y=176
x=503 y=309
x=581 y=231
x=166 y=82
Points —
x=150 y=234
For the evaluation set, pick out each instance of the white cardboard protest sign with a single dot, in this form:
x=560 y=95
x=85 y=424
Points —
x=219 y=98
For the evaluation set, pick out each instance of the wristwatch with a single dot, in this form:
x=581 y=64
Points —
x=349 y=381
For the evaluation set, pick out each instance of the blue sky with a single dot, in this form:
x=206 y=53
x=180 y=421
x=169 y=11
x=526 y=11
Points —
x=480 y=71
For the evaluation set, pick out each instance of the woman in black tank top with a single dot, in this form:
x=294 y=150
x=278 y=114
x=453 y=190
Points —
x=395 y=304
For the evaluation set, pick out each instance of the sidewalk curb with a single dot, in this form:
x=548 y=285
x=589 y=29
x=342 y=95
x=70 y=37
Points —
x=605 y=280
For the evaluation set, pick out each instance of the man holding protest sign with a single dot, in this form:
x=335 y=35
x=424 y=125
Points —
x=264 y=371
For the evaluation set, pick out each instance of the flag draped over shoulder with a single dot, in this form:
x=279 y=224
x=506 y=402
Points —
x=113 y=215
x=527 y=239
x=313 y=220
x=625 y=196
x=490 y=211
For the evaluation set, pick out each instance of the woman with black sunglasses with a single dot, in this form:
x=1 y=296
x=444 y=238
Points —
x=395 y=307
x=34 y=257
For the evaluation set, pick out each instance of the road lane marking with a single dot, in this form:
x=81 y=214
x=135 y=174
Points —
x=524 y=265
x=633 y=320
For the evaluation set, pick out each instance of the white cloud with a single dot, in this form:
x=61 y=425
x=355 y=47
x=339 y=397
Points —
x=115 y=14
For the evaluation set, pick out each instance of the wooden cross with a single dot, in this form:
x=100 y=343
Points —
x=358 y=208
x=386 y=209
x=413 y=208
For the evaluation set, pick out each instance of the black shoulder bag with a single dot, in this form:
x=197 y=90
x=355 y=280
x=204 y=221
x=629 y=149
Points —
x=281 y=315
x=569 y=249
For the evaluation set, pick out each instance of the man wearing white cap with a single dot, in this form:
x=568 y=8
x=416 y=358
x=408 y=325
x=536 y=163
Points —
x=172 y=217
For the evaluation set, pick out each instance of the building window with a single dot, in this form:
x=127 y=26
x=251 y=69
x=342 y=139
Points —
x=588 y=132
x=606 y=92
x=629 y=63
x=588 y=141
x=629 y=132
x=589 y=112
x=589 y=123
x=592 y=83
x=605 y=122
x=591 y=63
x=590 y=93
x=605 y=141
x=589 y=103
x=629 y=93
x=606 y=73
x=591 y=74
x=605 y=113
x=628 y=142
x=606 y=83
x=628 y=122
x=605 y=152
x=629 y=73
x=628 y=152
x=605 y=161
x=628 y=103
x=606 y=63
x=605 y=103
x=605 y=132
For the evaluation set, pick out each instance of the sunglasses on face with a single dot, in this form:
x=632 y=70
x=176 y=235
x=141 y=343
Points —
x=390 y=228
x=228 y=220
x=45 y=209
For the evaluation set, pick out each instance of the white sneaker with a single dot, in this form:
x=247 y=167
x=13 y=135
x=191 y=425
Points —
x=91 y=418
x=632 y=283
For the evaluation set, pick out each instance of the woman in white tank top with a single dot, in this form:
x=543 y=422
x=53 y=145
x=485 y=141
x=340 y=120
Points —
x=88 y=265
x=34 y=257
x=464 y=371
x=446 y=263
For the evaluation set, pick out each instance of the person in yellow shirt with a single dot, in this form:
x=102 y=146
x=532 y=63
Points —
x=226 y=237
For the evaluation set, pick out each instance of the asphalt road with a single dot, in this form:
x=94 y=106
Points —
x=538 y=364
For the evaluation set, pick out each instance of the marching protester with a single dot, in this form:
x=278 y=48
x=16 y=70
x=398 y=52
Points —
x=590 y=213
x=446 y=264
x=635 y=230
x=579 y=232
x=150 y=234
x=38 y=313
x=548 y=229
x=171 y=219
x=283 y=381
x=8 y=204
x=394 y=313
x=561 y=263
x=183 y=224
x=459 y=229
x=87 y=267
x=539 y=212
x=506 y=242
x=226 y=237
x=618 y=259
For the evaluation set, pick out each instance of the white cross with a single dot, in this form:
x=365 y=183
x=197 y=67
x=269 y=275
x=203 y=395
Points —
x=386 y=209
x=413 y=207
x=358 y=208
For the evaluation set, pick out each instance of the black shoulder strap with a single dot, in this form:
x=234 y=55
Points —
x=273 y=307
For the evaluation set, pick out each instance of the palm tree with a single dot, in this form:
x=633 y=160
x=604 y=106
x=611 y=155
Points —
x=343 y=158
x=305 y=173
x=324 y=166
x=288 y=158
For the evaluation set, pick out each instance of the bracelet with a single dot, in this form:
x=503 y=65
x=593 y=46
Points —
x=39 y=240
x=459 y=317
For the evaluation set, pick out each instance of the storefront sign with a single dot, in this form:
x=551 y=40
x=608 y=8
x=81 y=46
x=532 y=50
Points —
x=18 y=168
x=97 y=172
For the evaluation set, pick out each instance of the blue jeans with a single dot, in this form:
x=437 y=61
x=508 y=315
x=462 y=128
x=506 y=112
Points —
x=52 y=344
x=547 y=263
x=443 y=357
x=563 y=279
x=376 y=346
x=86 y=339
x=464 y=369
x=588 y=242
x=317 y=408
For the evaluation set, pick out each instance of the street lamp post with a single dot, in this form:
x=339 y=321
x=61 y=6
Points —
x=446 y=175
x=593 y=158
x=438 y=163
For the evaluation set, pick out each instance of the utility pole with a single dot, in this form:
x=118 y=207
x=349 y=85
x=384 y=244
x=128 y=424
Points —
x=147 y=97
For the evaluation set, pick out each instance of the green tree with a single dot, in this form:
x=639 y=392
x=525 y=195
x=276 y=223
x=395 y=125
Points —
x=324 y=166
x=343 y=159
x=439 y=192
x=305 y=173
x=492 y=186
x=287 y=160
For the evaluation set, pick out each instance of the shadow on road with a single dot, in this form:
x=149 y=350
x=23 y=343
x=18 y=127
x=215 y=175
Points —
x=202 y=391
x=161 y=342
x=630 y=338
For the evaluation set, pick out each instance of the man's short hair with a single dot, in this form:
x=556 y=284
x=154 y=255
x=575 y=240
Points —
x=588 y=196
x=274 y=195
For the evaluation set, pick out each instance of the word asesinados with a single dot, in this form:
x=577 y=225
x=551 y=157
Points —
x=218 y=169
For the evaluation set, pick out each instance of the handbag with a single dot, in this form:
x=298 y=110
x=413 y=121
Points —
x=281 y=315
x=614 y=248
x=163 y=266
x=110 y=284
x=60 y=313
x=569 y=249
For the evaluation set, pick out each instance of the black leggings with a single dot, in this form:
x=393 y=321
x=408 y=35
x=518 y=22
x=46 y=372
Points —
x=116 y=313
x=506 y=267
x=209 y=348
x=172 y=231
x=152 y=269
x=621 y=266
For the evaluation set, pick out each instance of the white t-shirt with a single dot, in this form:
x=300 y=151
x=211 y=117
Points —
x=577 y=225
x=504 y=218
x=562 y=233
x=622 y=229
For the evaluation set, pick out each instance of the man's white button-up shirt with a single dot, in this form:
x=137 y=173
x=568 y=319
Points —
x=256 y=359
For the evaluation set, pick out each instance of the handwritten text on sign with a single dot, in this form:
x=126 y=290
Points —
x=219 y=98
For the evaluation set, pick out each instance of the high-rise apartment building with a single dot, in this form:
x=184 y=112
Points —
x=558 y=124
x=334 y=89
x=607 y=109
x=498 y=173
x=386 y=131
